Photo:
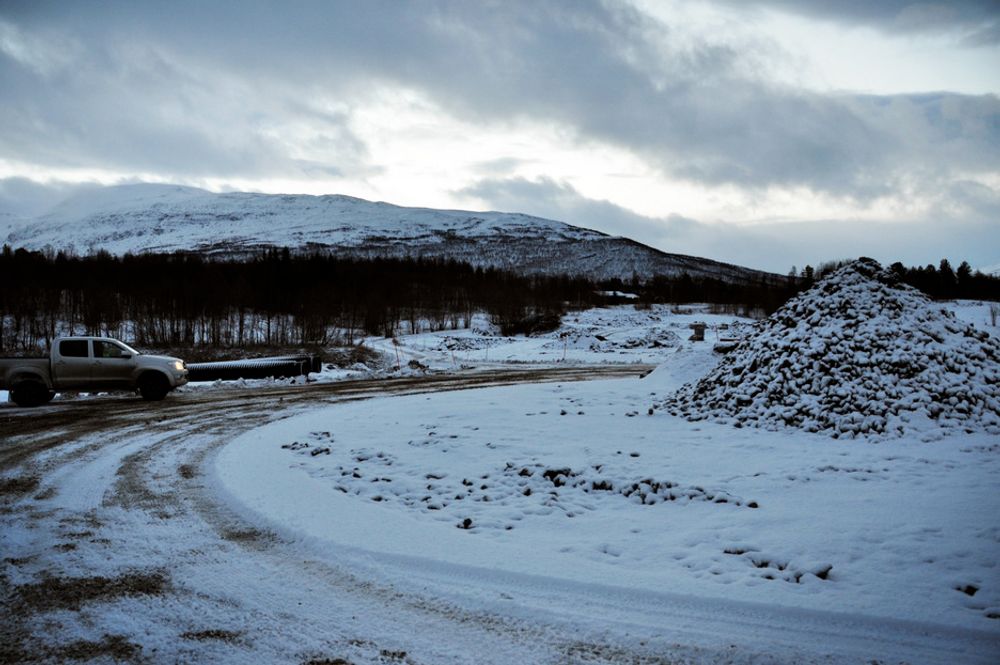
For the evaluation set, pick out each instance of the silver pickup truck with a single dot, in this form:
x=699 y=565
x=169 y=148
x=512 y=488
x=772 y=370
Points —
x=91 y=364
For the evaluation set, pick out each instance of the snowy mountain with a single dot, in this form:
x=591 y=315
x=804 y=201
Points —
x=168 y=218
x=9 y=222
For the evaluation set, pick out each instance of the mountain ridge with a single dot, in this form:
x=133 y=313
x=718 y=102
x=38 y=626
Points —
x=143 y=218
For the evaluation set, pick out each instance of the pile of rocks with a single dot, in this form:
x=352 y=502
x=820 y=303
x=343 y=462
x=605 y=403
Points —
x=857 y=354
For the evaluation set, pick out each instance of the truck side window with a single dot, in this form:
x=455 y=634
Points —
x=73 y=348
x=108 y=350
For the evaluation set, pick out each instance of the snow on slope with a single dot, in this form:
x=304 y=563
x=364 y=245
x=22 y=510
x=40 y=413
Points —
x=856 y=354
x=9 y=223
x=166 y=218
x=462 y=492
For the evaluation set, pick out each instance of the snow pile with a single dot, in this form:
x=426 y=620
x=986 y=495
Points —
x=598 y=340
x=857 y=354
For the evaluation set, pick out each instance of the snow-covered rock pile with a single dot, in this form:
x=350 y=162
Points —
x=601 y=340
x=857 y=354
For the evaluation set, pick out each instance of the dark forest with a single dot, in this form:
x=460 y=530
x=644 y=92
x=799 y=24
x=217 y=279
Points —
x=281 y=299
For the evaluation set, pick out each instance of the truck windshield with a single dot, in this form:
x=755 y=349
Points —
x=128 y=348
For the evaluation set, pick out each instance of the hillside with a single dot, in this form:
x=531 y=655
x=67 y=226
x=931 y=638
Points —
x=168 y=218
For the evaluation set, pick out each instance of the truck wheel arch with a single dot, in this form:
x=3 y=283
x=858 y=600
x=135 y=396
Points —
x=29 y=376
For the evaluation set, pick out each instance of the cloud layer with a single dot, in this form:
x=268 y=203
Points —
x=966 y=230
x=222 y=89
x=976 y=22
x=256 y=91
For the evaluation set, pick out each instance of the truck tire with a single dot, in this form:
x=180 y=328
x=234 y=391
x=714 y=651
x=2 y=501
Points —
x=153 y=386
x=29 y=392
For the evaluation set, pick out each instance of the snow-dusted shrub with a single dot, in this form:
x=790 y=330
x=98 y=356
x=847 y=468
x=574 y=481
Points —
x=856 y=354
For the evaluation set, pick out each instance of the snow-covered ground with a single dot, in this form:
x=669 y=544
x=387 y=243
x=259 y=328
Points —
x=605 y=335
x=576 y=482
x=585 y=484
x=620 y=334
x=976 y=312
x=566 y=505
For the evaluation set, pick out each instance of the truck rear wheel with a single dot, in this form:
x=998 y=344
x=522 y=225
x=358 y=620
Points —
x=153 y=387
x=30 y=393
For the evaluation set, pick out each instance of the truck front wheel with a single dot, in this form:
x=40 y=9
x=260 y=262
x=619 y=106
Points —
x=153 y=387
x=29 y=393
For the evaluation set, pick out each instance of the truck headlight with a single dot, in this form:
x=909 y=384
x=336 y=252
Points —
x=179 y=365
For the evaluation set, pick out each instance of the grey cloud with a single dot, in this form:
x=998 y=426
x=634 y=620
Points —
x=918 y=242
x=186 y=88
x=675 y=233
x=548 y=198
x=966 y=232
x=22 y=199
x=142 y=106
x=25 y=198
x=976 y=20
x=501 y=166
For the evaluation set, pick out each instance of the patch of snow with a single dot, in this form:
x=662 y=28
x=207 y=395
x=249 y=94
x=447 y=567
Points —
x=975 y=312
x=619 y=334
x=572 y=485
x=619 y=294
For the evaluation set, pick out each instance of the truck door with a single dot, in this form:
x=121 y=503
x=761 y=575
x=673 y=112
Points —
x=71 y=366
x=113 y=365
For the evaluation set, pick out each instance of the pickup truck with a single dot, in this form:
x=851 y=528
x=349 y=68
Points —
x=91 y=364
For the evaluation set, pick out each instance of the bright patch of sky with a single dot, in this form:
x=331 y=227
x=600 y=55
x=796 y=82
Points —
x=827 y=54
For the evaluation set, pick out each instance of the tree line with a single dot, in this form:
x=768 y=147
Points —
x=280 y=299
x=274 y=299
x=942 y=282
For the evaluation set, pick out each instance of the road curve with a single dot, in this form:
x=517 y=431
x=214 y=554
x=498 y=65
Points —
x=117 y=546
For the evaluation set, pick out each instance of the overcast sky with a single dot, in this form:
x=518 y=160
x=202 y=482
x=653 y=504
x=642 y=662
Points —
x=766 y=133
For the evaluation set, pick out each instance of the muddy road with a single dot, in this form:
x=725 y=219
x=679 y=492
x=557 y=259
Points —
x=116 y=546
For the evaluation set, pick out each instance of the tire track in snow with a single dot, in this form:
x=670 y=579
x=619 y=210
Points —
x=147 y=459
x=231 y=576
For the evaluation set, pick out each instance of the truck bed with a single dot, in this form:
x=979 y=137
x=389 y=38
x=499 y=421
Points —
x=17 y=365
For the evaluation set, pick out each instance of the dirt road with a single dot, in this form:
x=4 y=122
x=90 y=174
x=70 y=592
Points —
x=115 y=547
